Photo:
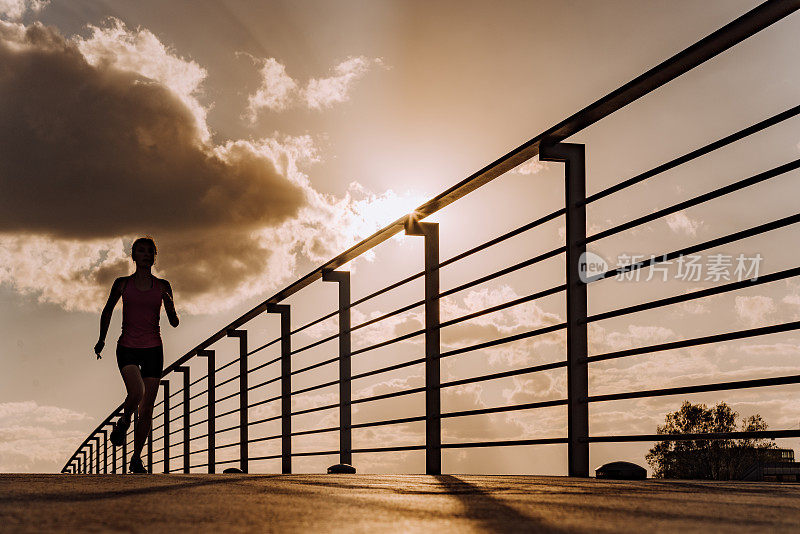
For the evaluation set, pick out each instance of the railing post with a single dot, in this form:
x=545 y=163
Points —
x=185 y=370
x=96 y=440
x=105 y=451
x=433 y=404
x=573 y=156
x=212 y=429
x=286 y=385
x=243 y=407
x=345 y=397
x=125 y=451
x=150 y=449
x=113 y=459
x=83 y=460
x=165 y=385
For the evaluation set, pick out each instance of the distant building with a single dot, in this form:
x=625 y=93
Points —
x=776 y=465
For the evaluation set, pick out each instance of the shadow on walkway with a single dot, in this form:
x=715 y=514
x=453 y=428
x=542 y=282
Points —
x=71 y=496
x=491 y=513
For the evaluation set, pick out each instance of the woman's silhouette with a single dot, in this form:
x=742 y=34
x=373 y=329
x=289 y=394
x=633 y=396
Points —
x=140 y=354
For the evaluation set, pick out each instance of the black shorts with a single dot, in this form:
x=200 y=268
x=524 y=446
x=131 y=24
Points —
x=150 y=361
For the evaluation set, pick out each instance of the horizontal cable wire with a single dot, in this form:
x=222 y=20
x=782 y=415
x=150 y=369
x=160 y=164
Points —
x=315 y=431
x=198 y=423
x=266 y=438
x=716 y=193
x=226 y=381
x=505 y=374
x=512 y=233
x=388 y=395
x=724 y=288
x=315 y=453
x=266 y=420
x=228 y=461
x=396 y=448
x=262 y=347
x=265 y=364
x=193 y=410
x=507 y=339
x=198 y=380
x=198 y=394
x=727 y=336
x=316 y=365
x=389 y=422
x=527 y=406
x=271 y=457
x=515 y=302
x=229 y=396
x=697 y=436
x=223 y=414
x=505 y=443
x=314 y=344
x=503 y=272
x=711 y=243
x=312 y=323
x=312 y=388
x=265 y=401
x=387 y=369
x=719 y=386
x=780 y=117
x=389 y=342
x=226 y=365
x=262 y=384
x=317 y=409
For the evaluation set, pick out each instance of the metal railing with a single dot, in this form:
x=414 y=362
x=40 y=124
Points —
x=549 y=146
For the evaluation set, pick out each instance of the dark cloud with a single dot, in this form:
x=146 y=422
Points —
x=88 y=152
x=93 y=152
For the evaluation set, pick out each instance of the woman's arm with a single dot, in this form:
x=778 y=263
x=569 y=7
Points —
x=105 y=315
x=169 y=304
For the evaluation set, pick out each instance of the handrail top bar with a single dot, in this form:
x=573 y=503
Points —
x=715 y=43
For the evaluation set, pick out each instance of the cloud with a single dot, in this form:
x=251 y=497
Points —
x=532 y=166
x=793 y=300
x=35 y=437
x=16 y=9
x=772 y=349
x=276 y=92
x=753 y=310
x=279 y=91
x=679 y=222
x=104 y=139
x=636 y=335
x=324 y=92
x=114 y=46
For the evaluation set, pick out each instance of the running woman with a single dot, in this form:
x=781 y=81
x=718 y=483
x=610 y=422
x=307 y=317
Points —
x=140 y=353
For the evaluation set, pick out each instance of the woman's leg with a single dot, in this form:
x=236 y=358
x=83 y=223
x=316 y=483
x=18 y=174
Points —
x=135 y=387
x=145 y=414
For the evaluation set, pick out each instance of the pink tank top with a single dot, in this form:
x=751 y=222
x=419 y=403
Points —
x=141 y=311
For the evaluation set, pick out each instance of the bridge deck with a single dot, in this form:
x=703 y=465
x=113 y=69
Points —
x=407 y=503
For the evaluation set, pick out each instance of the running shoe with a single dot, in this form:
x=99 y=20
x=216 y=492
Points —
x=135 y=465
x=120 y=431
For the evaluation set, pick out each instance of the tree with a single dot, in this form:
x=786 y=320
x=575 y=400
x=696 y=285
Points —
x=722 y=459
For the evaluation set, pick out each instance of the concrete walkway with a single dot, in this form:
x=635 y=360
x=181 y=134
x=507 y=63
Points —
x=389 y=503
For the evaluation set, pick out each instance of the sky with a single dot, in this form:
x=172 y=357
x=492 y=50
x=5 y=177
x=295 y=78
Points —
x=255 y=141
